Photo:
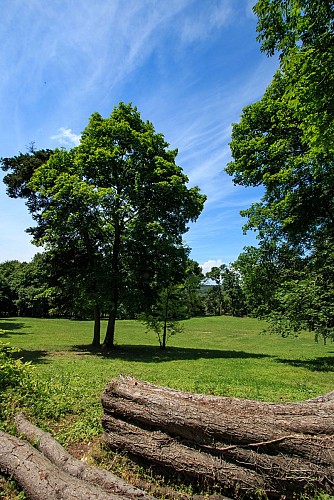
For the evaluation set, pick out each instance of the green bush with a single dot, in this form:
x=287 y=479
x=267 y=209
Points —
x=15 y=382
x=13 y=372
x=22 y=390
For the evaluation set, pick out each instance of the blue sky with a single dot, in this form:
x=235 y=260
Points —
x=189 y=66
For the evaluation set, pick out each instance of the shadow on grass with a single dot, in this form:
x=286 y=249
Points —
x=321 y=364
x=35 y=357
x=152 y=354
x=11 y=327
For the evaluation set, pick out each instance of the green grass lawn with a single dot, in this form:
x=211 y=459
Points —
x=214 y=355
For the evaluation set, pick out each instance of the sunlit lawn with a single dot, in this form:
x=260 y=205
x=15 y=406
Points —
x=216 y=355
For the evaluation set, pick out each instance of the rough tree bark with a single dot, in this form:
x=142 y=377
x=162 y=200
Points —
x=282 y=448
x=53 y=451
x=51 y=473
x=39 y=478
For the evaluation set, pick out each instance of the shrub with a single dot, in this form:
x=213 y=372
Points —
x=13 y=372
x=15 y=382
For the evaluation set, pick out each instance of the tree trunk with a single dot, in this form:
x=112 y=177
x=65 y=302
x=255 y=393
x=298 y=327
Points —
x=39 y=478
x=164 y=332
x=94 y=288
x=97 y=326
x=109 y=339
x=76 y=468
x=237 y=443
x=114 y=294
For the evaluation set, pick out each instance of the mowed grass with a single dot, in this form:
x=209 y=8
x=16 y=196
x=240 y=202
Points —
x=213 y=355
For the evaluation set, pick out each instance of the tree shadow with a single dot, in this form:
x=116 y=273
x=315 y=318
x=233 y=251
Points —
x=152 y=354
x=36 y=357
x=321 y=364
x=11 y=327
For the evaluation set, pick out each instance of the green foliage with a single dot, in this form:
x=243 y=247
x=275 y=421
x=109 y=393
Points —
x=13 y=372
x=302 y=32
x=283 y=25
x=9 y=490
x=23 y=287
x=23 y=390
x=110 y=212
x=304 y=299
x=164 y=316
x=21 y=169
x=284 y=143
x=42 y=399
x=259 y=277
x=16 y=381
x=225 y=296
x=193 y=299
x=268 y=149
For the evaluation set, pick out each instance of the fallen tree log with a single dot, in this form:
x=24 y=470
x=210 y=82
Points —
x=39 y=478
x=52 y=450
x=282 y=448
x=200 y=417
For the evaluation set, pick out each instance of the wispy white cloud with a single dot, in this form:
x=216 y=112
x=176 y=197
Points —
x=66 y=137
x=209 y=18
x=203 y=134
x=190 y=67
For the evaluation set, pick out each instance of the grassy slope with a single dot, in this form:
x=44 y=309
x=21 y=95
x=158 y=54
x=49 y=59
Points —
x=222 y=356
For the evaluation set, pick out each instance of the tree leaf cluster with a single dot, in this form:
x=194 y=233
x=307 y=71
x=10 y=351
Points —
x=284 y=143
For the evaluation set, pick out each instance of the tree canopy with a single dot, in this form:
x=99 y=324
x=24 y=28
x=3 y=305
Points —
x=302 y=32
x=284 y=142
x=112 y=210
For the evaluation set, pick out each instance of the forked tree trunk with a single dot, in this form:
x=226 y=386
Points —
x=281 y=448
x=109 y=339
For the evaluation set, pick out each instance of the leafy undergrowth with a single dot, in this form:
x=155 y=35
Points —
x=9 y=490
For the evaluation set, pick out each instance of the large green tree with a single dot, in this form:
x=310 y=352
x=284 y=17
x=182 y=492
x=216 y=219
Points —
x=284 y=142
x=117 y=203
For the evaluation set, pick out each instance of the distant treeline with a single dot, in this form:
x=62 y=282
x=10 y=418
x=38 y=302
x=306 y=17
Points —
x=31 y=289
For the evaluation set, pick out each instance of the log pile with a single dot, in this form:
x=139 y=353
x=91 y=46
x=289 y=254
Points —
x=240 y=445
x=50 y=473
